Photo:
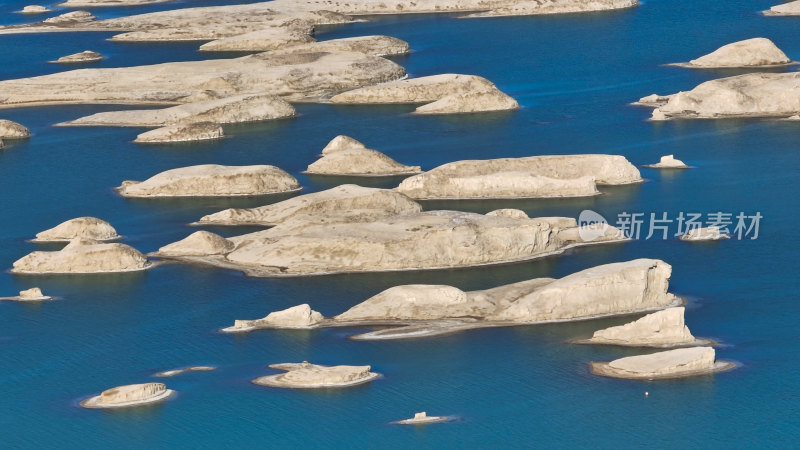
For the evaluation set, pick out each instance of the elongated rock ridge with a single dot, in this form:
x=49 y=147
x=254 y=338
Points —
x=190 y=132
x=99 y=3
x=234 y=109
x=212 y=180
x=531 y=177
x=356 y=160
x=300 y=316
x=678 y=363
x=659 y=329
x=345 y=203
x=369 y=45
x=80 y=227
x=784 y=9
x=756 y=52
x=420 y=241
x=83 y=256
x=129 y=395
x=420 y=310
x=313 y=376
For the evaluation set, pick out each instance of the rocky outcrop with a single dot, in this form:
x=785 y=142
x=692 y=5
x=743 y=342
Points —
x=785 y=9
x=659 y=329
x=234 y=109
x=83 y=256
x=259 y=41
x=306 y=76
x=34 y=9
x=191 y=132
x=444 y=94
x=711 y=233
x=531 y=177
x=300 y=316
x=99 y=3
x=345 y=203
x=668 y=162
x=82 y=227
x=199 y=243
x=70 y=19
x=82 y=57
x=422 y=418
x=356 y=160
x=678 y=363
x=13 y=130
x=749 y=95
x=174 y=372
x=756 y=52
x=129 y=395
x=307 y=376
x=32 y=294
x=368 y=45
x=212 y=180
x=508 y=212
x=418 y=302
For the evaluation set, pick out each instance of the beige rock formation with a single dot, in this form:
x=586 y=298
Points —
x=129 y=395
x=307 y=76
x=83 y=256
x=444 y=94
x=34 y=9
x=784 y=9
x=368 y=45
x=711 y=233
x=533 y=176
x=749 y=95
x=756 y=52
x=199 y=243
x=300 y=316
x=82 y=227
x=345 y=203
x=82 y=57
x=668 y=162
x=31 y=294
x=234 y=109
x=659 y=329
x=174 y=372
x=356 y=160
x=682 y=362
x=212 y=180
x=417 y=302
x=271 y=38
x=509 y=212
x=99 y=3
x=470 y=102
x=190 y=132
x=13 y=130
x=652 y=100
x=70 y=19
x=422 y=418
x=308 y=376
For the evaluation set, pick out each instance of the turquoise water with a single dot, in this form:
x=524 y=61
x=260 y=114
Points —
x=512 y=387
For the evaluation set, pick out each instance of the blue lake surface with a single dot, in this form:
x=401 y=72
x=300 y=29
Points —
x=518 y=387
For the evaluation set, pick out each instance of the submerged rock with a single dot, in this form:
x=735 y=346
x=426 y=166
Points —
x=305 y=375
x=81 y=227
x=199 y=131
x=668 y=162
x=748 y=53
x=83 y=256
x=129 y=395
x=262 y=40
x=199 y=243
x=345 y=203
x=173 y=372
x=212 y=180
x=662 y=328
x=82 y=57
x=234 y=109
x=300 y=316
x=682 y=362
x=356 y=161
x=13 y=130
x=711 y=233
x=533 y=176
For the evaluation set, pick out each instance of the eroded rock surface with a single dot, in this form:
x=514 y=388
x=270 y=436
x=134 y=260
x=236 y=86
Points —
x=129 y=395
x=300 y=316
x=80 y=227
x=199 y=243
x=190 y=132
x=756 y=52
x=83 y=256
x=356 y=160
x=82 y=57
x=668 y=162
x=682 y=362
x=711 y=233
x=305 y=375
x=13 y=130
x=662 y=328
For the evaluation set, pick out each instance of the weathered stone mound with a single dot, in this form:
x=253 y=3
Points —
x=129 y=395
x=711 y=233
x=368 y=45
x=662 y=328
x=81 y=227
x=509 y=212
x=82 y=57
x=199 y=243
x=300 y=316
x=470 y=102
x=70 y=19
x=749 y=95
x=682 y=362
x=356 y=161
x=234 y=109
x=190 y=132
x=83 y=256
x=533 y=176
x=668 y=162
x=345 y=203
x=305 y=375
x=34 y=9
x=13 y=130
x=32 y=294
x=756 y=52
x=417 y=302
x=262 y=40
x=212 y=180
